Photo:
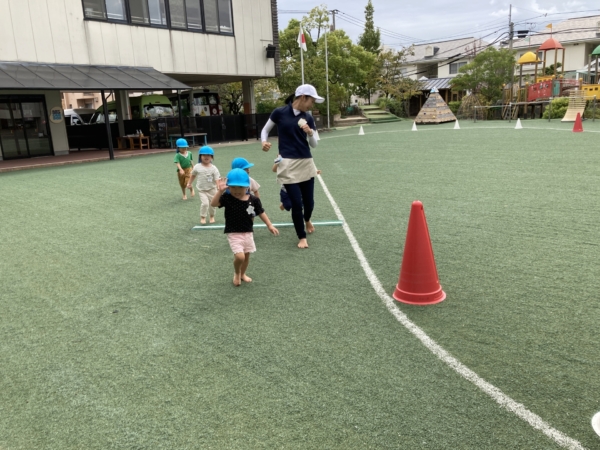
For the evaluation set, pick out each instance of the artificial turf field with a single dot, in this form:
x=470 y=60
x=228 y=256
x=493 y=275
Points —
x=120 y=327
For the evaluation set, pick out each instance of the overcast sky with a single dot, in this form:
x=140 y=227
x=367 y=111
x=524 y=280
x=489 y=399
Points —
x=402 y=23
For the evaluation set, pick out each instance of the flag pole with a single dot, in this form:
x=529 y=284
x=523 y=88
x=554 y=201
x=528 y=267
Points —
x=302 y=44
x=302 y=63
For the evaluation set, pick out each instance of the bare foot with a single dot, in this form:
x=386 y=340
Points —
x=184 y=197
x=281 y=207
x=303 y=243
x=212 y=219
x=236 y=280
x=310 y=228
x=246 y=278
x=202 y=220
x=193 y=193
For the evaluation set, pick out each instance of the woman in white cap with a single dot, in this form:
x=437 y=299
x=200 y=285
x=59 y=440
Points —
x=296 y=171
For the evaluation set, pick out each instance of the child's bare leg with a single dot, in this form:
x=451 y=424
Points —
x=211 y=210
x=245 y=277
x=238 y=261
x=192 y=192
x=310 y=228
x=202 y=220
x=183 y=197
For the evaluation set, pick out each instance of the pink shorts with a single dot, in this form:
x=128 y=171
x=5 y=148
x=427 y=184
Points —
x=241 y=242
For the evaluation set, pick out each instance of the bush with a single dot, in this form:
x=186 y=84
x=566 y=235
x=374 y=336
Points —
x=559 y=108
x=454 y=107
x=396 y=107
x=589 y=112
x=268 y=106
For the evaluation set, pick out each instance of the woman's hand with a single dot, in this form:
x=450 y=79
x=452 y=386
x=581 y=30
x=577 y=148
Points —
x=266 y=146
x=307 y=129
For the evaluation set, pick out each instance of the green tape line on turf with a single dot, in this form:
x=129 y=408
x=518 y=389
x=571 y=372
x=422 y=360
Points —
x=276 y=225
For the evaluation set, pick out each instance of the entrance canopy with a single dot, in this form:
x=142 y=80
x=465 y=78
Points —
x=17 y=75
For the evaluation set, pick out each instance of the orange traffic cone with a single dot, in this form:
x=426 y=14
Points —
x=578 y=127
x=418 y=283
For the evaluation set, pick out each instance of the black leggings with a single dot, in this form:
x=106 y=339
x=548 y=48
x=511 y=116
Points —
x=302 y=196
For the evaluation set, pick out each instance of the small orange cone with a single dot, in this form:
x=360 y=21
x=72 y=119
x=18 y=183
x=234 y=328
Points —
x=578 y=127
x=418 y=283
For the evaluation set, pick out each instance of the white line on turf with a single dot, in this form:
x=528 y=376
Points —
x=496 y=394
x=462 y=129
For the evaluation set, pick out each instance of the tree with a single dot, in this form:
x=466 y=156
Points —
x=390 y=77
x=231 y=95
x=370 y=40
x=318 y=19
x=486 y=74
x=349 y=64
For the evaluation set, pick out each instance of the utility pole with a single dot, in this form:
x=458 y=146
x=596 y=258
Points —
x=333 y=13
x=511 y=28
x=511 y=33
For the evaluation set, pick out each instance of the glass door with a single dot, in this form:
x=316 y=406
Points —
x=35 y=128
x=12 y=135
x=23 y=129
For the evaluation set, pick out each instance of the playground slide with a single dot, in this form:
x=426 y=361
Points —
x=576 y=105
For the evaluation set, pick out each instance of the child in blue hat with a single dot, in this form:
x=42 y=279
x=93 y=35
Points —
x=240 y=210
x=242 y=163
x=184 y=161
x=207 y=175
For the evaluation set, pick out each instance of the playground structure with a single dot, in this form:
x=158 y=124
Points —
x=531 y=99
x=435 y=110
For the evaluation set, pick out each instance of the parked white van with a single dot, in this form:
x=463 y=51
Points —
x=79 y=116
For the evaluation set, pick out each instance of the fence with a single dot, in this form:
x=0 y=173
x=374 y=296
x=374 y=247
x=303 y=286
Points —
x=217 y=128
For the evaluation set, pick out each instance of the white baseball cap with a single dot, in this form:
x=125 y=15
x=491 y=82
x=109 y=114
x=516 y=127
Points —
x=309 y=89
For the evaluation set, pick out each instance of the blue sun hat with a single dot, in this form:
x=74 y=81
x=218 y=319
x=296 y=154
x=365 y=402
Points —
x=238 y=177
x=241 y=163
x=206 y=150
x=181 y=143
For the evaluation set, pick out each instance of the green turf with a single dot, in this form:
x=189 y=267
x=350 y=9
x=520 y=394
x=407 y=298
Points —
x=120 y=327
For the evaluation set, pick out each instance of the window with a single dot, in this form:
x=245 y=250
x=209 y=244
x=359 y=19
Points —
x=154 y=111
x=178 y=17
x=213 y=16
x=455 y=66
x=148 y=12
x=194 y=16
x=94 y=9
x=139 y=12
x=225 y=19
x=115 y=10
x=158 y=12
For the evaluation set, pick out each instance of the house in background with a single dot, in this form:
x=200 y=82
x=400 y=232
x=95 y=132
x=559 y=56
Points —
x=579 y=37
x=436 y=63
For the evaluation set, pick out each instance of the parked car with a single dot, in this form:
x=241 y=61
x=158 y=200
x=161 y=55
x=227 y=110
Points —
x=142 y=107
x=78 y=116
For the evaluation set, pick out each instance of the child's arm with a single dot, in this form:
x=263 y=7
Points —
x=265 y=219
x=277 y=161
x=193 y=177
x=221 y=187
